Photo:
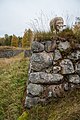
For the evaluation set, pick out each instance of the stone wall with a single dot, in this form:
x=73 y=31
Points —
x=7 y=53
x=54 y=70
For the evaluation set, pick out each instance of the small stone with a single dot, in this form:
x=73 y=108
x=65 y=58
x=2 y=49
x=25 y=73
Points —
x=74 y=79
x=74 y=55
x=54 y=62
x=34 y=89
x=37 y=46
x=50 y=46
x=55 y=90
x=31 y=101
x=66 y=86
x=49 y=70
x=27 y=53
x=56 y=69
x=67 y=66
x=62 y=46
x=44 y=78
x=41 y=61
x=57 y=55
x=77 y=67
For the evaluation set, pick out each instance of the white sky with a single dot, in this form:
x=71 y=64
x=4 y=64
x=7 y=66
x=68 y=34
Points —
x=16 y=15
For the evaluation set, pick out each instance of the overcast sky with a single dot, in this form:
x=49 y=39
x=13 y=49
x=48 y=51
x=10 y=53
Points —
x=16 y=15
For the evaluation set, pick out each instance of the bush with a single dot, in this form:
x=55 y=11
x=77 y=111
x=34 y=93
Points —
x=40 y=36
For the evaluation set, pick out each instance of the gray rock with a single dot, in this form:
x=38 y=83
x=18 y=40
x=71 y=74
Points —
x=50 y=46
x=66 y=86
x=34 y=89
x=74 y=79
x=44 y=78
x=74 y=55
x=56 y=69
x=77 y=67
x=54 y=62
x=37 y=46
x=49 y=70
x=40 y=61
x=57 y=55
x=67 y=66
x=27 y=53
x=30 y=102
x=55 y=90
x=62 y=46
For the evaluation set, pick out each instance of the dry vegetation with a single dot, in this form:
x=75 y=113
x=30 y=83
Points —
x=67 y=108
x=13 y=76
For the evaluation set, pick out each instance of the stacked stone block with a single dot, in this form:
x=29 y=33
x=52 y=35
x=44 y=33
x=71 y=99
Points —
x=54 y=69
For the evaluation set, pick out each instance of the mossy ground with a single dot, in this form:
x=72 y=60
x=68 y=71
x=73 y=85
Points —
x=13 y=76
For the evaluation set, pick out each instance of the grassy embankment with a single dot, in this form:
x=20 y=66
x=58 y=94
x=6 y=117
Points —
x=13 y=76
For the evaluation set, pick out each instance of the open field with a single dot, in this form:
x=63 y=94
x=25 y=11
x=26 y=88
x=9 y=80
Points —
x=13 y=77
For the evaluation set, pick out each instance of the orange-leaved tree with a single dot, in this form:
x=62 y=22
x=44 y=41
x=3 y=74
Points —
x=14 y=41
x=27 y=38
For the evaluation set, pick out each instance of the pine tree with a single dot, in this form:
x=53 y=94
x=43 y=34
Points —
x=14 y=41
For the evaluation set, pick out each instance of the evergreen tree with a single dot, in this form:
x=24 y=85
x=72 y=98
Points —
x=7 y=40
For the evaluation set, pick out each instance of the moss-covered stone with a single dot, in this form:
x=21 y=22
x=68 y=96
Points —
x=24 y=116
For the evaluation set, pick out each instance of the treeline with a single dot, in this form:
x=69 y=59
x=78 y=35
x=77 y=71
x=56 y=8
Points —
x=15 y=41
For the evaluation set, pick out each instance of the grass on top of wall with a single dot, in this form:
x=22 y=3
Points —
x=67 y=34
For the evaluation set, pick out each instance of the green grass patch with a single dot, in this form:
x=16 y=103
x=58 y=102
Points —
x=13 y=77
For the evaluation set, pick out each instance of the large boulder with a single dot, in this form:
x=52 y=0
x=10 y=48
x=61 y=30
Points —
x=34 y=89
x=74 y=55
x=50 y=46
x=62 y=46
x=40 y=61
x=74 y=79
x=44 y=78
x=37 y=46
x=57 y=55
x=67 y=66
